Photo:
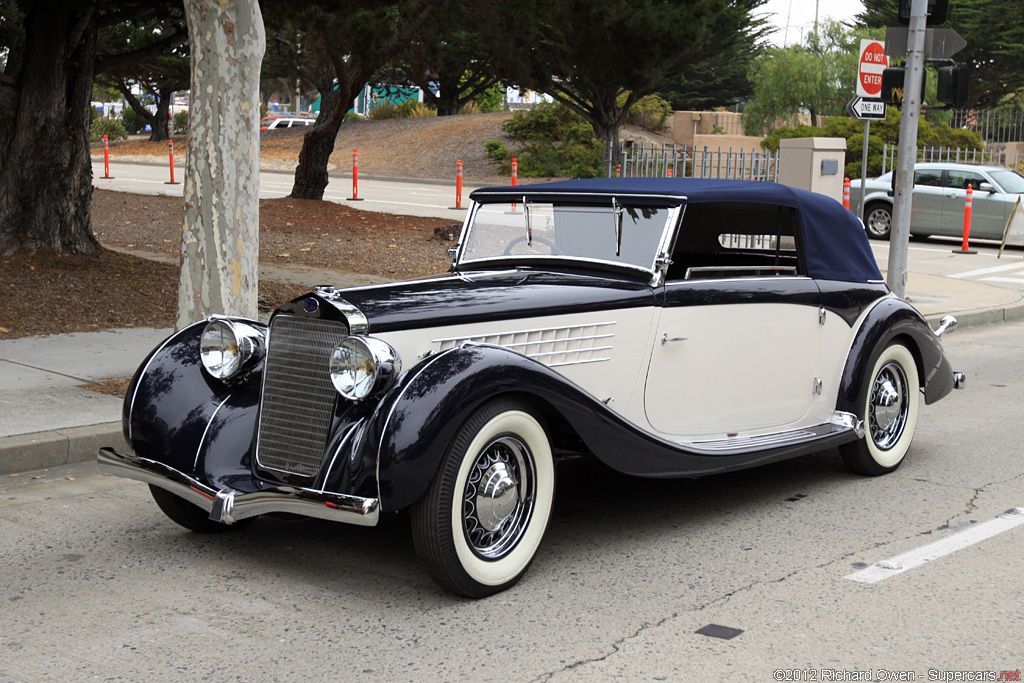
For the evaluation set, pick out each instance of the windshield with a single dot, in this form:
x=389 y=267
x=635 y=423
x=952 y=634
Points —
x=612 y=233
x=1009 y=180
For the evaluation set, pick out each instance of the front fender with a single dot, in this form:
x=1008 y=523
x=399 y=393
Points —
x=889 y=319
x=176 y=414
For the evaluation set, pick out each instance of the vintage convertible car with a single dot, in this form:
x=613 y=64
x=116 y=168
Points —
x=669 y=328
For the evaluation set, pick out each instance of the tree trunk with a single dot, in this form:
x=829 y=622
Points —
x=220 y=246
x=162 y=119
x=311 y=173
x=448 y=102
x=45 y=169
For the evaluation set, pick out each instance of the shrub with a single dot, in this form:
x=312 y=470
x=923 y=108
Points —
x=132 y=122
x=411 y=109
x=112 y=128
x=649 y=112
x=491 y=100
x=180 y=123
x=384 y=109
x=551 y=141
x=351 y=116
x=882 y=133
x=470 y=107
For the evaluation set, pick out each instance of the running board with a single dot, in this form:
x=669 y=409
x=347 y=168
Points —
x=841 y=423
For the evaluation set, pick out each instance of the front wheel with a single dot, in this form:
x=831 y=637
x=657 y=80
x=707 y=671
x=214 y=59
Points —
x=891 y=401
x=482 y=519
x=878 y=220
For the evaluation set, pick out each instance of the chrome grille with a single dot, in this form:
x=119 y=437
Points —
x=298 y=397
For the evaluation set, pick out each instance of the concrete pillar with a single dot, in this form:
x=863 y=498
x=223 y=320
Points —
x=815 y=164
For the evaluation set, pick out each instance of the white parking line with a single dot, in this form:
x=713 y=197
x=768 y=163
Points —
x=986 y=271
x=1011 y=280
x=936 y=251
x=933 y=551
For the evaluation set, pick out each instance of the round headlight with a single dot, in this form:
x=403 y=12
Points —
x=361 y=366
x=227 y=346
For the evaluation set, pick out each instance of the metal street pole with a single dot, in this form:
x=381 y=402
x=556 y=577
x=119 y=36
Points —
x=863 y=168
x=899 y=237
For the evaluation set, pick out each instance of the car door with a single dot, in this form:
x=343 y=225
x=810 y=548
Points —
x=734 y=356
x=988 y=209
x=926 y=206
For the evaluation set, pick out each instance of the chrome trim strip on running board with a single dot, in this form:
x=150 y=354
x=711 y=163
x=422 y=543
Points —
x=841 y=423
x=229 y=506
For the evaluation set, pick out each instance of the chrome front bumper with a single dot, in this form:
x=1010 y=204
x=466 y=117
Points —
x=229 y=506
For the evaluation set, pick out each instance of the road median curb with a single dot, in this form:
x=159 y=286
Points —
x=25 y=452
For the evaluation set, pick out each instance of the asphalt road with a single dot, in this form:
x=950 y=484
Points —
x=97 y=584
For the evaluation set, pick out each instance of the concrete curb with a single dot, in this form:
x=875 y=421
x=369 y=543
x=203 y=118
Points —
x=983 y=316
x=25 y=452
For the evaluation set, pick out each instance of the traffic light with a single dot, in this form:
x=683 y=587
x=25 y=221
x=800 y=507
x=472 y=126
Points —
x=892 y=86
x=952 y=86
x=938 y=12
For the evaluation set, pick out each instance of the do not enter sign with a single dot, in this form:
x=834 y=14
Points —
x=870 y=66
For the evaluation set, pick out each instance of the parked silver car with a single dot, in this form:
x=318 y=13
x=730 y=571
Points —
x=940 y=190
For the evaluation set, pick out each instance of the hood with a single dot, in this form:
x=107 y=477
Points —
x=488 y=295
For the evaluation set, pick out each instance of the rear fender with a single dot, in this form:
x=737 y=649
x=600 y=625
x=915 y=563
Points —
x=889 y=320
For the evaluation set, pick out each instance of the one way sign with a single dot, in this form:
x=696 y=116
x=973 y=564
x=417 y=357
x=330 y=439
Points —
x=863 y=108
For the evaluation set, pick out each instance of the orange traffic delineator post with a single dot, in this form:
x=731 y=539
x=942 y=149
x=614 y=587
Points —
x=669 y=171
x=846 y=194
x=106 y=160
x=355 y=177
x=618 y=170
x=967 y=224
x=515 y=178
x=458 y=187
x=170 y=156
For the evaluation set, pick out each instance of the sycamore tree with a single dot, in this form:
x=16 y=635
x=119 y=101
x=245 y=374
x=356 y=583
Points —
x=598 y=57
x=338 y=45
x=994 y=31
x=50 y=49
x=816 y=78
x=220 y=244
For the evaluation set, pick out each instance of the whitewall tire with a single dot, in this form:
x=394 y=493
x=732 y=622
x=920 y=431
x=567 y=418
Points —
x=480 y=523
x=890 y=401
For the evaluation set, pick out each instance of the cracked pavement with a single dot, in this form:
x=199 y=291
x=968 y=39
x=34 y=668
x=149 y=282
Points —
x=97 y=583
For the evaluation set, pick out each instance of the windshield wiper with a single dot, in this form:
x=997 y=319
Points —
x=617 y=217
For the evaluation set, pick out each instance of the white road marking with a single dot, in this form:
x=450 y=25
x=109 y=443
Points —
x=936 y=251
x=915 y=558
x=986 y=271
x=1012 y=280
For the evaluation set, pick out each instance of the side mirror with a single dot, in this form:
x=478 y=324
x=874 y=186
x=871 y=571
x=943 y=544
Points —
x=986 y=187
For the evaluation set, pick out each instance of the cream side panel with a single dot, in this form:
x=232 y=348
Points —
x=736 y=369
x=601 y=352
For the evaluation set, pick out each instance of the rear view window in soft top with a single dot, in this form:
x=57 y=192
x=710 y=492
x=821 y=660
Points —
x=737 y=239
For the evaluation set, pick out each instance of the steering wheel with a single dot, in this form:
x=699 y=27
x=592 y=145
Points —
x=551 y=245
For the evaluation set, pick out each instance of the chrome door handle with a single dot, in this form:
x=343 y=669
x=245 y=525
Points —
x=665 y=339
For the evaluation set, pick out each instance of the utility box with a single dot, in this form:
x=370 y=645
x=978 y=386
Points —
x=814 y=164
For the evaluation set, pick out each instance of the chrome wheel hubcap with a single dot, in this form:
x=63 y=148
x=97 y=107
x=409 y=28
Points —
x=498 y=501
x=888 y=406
x=879 y=222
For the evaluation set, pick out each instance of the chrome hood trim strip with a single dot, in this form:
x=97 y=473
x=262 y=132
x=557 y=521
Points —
x=229 y=506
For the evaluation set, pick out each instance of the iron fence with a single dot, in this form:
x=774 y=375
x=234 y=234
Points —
x=994 y=157
x=687 y=161
x=1004 y=125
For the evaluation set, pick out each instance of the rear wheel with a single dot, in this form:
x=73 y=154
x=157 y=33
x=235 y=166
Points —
x=191 y=516
x=480 y=523
x=891 y=401
x=878 y=220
